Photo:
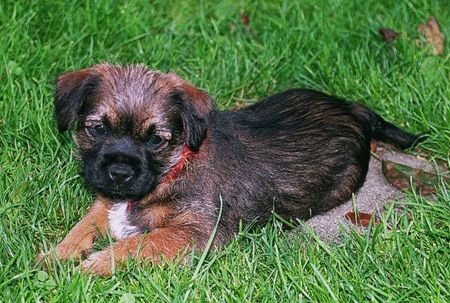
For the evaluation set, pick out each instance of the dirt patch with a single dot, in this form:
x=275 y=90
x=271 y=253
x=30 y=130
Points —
x=371 y=198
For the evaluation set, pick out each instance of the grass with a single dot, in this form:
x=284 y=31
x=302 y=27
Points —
x=332 y=46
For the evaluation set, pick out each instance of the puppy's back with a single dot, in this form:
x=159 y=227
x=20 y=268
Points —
x=314 y=146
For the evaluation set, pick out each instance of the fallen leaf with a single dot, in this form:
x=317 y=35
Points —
x=388 y=34
x=361 y=219
x=245 y=19
x=433 y=35
x=400 y=176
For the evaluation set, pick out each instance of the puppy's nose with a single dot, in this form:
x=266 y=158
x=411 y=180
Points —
x=120 y=172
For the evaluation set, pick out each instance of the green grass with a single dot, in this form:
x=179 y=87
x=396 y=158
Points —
x=332 y=46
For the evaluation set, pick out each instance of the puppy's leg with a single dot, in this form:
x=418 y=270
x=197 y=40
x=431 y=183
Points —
x=166 y=242
x=82 y=235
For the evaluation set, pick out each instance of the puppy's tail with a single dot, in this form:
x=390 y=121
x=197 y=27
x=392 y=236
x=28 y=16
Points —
x=387 y=132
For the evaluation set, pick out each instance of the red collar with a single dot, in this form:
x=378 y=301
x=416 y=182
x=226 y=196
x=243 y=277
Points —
x=173 y=174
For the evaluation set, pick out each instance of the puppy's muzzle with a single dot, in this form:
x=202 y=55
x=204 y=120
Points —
x=121 y=162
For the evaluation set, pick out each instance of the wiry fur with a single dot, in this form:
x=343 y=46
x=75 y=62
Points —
x=297 y=153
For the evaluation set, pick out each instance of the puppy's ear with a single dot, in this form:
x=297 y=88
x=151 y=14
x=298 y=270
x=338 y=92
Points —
x=72 y=89
x=196 y=107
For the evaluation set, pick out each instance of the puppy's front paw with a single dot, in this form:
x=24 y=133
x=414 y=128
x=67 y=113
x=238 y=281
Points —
x=57 y=253
x=99 y=263
x=63 y=251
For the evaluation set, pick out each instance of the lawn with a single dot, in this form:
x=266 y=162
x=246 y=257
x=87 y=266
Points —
x=332 y=46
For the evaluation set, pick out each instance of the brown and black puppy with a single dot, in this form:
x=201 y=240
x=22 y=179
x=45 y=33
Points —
x=160 y=160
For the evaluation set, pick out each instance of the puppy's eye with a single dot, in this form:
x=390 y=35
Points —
x=156 y=141
x=97 y=129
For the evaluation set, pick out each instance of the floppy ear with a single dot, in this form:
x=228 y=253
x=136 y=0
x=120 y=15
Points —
x=196 y=107
x=72 y=89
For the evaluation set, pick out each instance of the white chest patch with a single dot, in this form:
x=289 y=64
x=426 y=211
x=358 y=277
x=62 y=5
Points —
x=119 y=225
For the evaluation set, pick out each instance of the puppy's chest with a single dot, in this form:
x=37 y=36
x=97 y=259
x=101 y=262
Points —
x=124 y=223
x=120 y=224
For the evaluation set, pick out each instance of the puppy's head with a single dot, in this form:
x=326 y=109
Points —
x=132 y=124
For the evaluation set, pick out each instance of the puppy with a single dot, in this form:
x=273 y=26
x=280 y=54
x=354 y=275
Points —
x=163 y=163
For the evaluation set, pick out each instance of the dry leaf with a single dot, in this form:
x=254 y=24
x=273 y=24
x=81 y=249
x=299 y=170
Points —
x=361 y=219
x=433 y=35
x=399 y=175
x=373 y=147
x=388 y=34
x=245 y=19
